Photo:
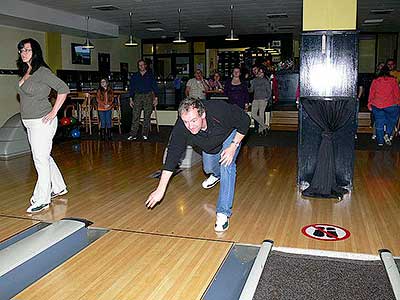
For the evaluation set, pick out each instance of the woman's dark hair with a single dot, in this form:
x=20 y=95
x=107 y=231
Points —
x=103 y=90
x=384 y=71
x=37 y=57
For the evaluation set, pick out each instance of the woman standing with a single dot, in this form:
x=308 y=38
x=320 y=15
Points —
x=215 y=83
x=40 y=120
x=261 y=87
x=383 y=101
x=236 y=90
x=105 y=103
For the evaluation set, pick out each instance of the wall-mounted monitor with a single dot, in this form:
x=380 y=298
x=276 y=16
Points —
x=80 y=55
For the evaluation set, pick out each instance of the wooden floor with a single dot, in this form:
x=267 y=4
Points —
x=10 y=226
x=108 y=184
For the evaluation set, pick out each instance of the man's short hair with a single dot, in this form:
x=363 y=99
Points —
x=190 y=103
x=141 y=60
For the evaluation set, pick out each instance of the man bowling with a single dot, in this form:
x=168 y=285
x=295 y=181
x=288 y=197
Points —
x=218 y=128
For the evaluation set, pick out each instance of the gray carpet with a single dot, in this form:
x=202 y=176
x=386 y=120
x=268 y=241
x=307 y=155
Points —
x=293 y=276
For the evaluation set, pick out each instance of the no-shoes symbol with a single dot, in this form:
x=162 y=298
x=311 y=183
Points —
x=325 y=232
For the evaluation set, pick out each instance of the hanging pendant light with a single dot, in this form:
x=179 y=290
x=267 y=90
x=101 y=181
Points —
x=131 y=41
x=88 y=44
x=179 y=39
x=231 y=36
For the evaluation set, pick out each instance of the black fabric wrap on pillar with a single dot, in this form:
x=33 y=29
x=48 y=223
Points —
x=330 y=116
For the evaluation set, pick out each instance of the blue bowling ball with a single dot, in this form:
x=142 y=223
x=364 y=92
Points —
x=75 y=133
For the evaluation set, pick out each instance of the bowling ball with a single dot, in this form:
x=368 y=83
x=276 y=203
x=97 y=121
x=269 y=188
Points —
x=72 y=120
x=75 y=133
x=65 y=121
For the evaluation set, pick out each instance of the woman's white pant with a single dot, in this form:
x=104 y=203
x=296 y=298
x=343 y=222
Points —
x=40 y=136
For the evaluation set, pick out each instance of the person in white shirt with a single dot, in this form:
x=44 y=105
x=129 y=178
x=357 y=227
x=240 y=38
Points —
x=197 y=87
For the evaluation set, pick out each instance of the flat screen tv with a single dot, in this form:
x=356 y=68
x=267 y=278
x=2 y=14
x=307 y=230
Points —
x=80 y=55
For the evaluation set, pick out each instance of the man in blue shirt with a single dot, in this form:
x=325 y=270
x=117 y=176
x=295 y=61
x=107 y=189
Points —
x=143 y=93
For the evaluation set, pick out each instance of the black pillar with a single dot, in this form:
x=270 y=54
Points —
x=328 y=87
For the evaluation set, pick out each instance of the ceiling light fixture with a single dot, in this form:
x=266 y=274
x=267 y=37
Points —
x=132 y=41
x=214 y=26
x=179 y=39
x=154 y=29
x=88 y=44
x=373 y=21
x=382 y=11
x=231 y=36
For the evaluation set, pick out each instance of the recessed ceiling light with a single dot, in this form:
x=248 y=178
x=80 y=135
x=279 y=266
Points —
x=214 y=26
x=155 y=29
x=277 y=16
x=286 y=27
x=370 y=24
x=106 y=7
x=150 y=22
x=381 y=11
x=373 y=21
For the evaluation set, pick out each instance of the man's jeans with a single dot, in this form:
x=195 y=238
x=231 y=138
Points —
x=227 y=174
x=385 y=116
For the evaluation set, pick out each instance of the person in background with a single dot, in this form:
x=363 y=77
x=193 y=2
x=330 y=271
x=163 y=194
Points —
x=383 y=101
x=391 y=63
x=253 y=74
x=40 y=119
x=215 y=83
x=378 y=69
x=261 y=87
x=177 y=82
x=271 y=74
x=197 y=87
x=218 y=128
x=105 y=104
x=236 y=90
x=143 y=92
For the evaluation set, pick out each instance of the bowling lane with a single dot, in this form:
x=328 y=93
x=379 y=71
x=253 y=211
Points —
x=125 y=265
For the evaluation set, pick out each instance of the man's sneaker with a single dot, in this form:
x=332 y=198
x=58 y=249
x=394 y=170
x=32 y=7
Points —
x=54 y=195
x=373 y=137
x=132 y=138
x=37 y=207
x=145 y=137
x=387 y=140
x=210 y=182
x=222 y=223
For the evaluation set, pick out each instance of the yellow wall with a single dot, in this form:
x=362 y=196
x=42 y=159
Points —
x=329 y=15
x=53 y=47
x=10 y=36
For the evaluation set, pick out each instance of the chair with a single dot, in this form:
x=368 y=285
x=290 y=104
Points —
x=94 y=114
x=116 y=114
x=89 y=115
x=79 y=98
x=153 y=118
x=74 y=110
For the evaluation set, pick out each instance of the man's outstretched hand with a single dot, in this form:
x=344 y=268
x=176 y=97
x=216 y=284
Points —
x=154 y=198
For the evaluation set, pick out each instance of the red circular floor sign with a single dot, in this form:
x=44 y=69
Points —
x=325 y=232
